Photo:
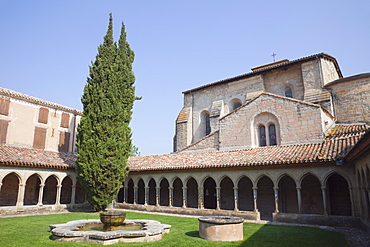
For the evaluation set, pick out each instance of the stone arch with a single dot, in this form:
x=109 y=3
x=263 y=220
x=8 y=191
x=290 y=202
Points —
x=15 y=173
x=288 y=198
x=66 y=192
x=265 y=197
x=289 y=90
x=311 y=193
x=209 y=193
x=339 y=200
x=140 y=191
x=32 y=190
x=262 y=121
x=152 y=191
x=192 y=193
x=9 y=189
x=80 y=196
x=121 y=193
x=227 y=194
x=130 y=191
x=177 y=192
x=164 y=192
x=50 y=190
x=329 y=174
x=245 y=194
x=235 y=104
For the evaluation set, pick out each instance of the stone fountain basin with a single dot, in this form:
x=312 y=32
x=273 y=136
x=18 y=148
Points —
x=152 y=231
x=221 y=228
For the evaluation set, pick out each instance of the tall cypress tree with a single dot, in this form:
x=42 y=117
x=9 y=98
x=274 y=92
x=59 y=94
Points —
x=104 y=135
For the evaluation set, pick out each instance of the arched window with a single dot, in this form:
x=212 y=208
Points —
x=208 y=124
x=205 y=123
x=265 y=130
x=262 y=135
x=237 y=105
x=288 y=92
x=272 y=135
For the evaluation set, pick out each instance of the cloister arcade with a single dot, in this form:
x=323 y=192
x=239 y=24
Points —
x=322 y=191
x=22 y=188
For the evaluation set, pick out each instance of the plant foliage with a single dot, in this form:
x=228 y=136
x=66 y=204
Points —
x=104 y=136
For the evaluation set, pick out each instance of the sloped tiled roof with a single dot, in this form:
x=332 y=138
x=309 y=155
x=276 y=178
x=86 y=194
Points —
x=15 y=156
x=279 y=65
x=340 y=140
x=37 y=101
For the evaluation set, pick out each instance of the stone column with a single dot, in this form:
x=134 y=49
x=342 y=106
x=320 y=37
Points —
x=351 y=196
x=236 y=198
x=323 y=189
x=276 y=192
x=146 y=196
x=170 y=194
x=255 y=199
x=135 y=195
x=1 y=184
x=20 y=198
x=299 y=197
x=41 y=194
x=125 y=194
x=59 y=190
x=218 y=190
x=200 y=198
x=73 y=194
x=157 y=195
x=184 y=196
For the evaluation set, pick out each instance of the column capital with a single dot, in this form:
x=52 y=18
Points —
x=235 y=187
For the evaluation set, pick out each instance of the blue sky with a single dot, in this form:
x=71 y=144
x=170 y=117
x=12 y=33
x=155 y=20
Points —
x=47 y=46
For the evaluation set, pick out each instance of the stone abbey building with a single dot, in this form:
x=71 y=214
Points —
x=288 y=141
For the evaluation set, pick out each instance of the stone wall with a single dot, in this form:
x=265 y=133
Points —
x=276 y=81
x=352 y=99
x=208 y=143
x=297 y=122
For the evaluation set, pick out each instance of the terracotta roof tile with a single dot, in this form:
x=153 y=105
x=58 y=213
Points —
x=16 y=156
x=339 y=141
x=37 y=101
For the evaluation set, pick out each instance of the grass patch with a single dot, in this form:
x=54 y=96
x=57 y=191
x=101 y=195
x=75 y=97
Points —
x=34 y=231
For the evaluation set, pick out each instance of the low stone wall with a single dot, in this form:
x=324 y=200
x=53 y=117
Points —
x=321 y=220
x=44 y=209
x=247 y=215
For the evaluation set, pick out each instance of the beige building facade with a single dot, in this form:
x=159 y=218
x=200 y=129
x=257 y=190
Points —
x=37 y=170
